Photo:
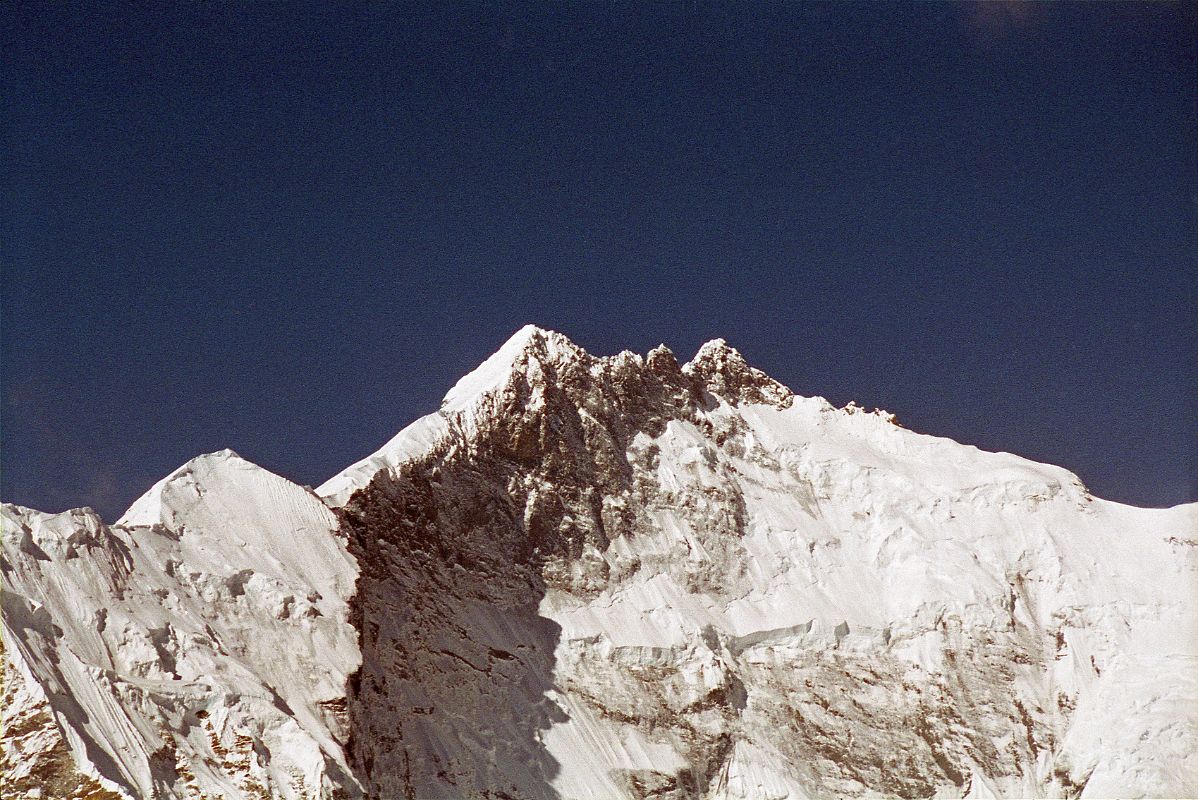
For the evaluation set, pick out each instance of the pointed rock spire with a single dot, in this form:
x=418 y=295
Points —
x=528 y=342
x=726 y=374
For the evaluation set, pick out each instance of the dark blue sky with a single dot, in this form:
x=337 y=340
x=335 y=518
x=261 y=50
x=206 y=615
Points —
x=288 y=229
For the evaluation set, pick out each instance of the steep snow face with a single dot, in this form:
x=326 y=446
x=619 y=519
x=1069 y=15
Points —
x=200 y=647
x=611 y=578
x=624 y=578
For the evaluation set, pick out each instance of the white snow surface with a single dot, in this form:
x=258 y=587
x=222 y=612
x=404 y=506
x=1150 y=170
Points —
x=864 y=594
x=196 y=646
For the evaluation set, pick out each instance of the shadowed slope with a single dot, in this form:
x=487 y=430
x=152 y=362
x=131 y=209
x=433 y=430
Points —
x=457 y=551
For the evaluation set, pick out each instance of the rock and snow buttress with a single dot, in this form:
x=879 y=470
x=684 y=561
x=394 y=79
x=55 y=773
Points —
x=615 y=577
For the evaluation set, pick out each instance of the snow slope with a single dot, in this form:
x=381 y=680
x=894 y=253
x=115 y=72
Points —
x=614 y=577
x=198 y=645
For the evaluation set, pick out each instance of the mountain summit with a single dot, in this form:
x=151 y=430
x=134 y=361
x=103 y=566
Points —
x=608 y=577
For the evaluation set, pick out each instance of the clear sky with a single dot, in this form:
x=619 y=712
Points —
x=289 y=228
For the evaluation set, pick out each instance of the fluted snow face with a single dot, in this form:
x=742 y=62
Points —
x=792 y=623
x=618 y=577
x=201 y=647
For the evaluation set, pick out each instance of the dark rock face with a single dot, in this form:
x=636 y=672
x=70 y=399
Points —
x=450 y=699
x=456 y=550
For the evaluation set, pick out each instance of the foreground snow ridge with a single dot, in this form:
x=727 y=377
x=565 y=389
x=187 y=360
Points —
x=617 y=577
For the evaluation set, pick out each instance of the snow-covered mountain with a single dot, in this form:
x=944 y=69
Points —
x=603 y=578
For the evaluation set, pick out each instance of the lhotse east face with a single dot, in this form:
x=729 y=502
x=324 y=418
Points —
x=615 y=577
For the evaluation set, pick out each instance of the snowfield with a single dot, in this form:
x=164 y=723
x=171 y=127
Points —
x=614 y=577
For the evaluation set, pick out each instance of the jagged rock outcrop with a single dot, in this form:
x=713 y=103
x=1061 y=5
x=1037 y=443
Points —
x=614 y=577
